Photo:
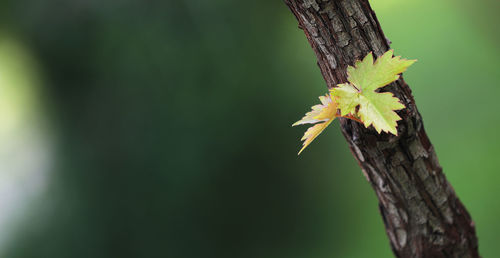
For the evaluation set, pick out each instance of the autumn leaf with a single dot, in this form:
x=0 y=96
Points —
x=358 y=99
x=364 y=78
x=324 y=113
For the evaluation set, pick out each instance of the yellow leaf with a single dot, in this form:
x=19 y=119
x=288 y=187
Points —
x=324 y=113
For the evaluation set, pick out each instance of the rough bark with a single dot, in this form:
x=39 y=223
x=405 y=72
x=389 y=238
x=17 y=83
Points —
x=421 y=212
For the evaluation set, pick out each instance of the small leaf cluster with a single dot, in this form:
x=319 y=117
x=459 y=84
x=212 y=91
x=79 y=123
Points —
x=358 y=99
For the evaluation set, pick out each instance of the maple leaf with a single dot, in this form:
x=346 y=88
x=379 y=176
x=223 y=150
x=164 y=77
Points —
x=365 y=77
x=324 y=112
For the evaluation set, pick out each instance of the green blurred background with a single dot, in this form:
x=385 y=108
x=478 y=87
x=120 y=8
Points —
x=162 y=128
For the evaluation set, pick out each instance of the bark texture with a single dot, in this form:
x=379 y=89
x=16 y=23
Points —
x=422 y=214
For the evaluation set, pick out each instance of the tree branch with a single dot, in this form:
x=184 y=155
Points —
x=421 y=212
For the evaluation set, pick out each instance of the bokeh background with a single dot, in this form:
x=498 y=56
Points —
x=162 y=128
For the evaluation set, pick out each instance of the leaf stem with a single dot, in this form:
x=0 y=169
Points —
x=353 y=118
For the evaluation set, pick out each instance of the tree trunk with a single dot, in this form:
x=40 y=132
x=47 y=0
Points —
x=422 y=215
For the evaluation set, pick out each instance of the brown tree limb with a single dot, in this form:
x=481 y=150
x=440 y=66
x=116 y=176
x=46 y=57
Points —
x=421 y=212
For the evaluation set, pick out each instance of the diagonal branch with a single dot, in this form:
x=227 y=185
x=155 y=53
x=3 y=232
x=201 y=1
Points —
x=421 y=212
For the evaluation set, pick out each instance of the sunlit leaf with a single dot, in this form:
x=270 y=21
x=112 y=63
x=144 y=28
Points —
x=324 y=113
x=364 y=78
x=358 y=99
